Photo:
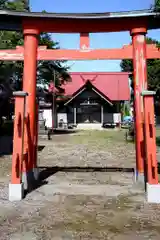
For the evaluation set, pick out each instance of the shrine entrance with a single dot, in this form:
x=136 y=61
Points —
x=89 y=113
x=24 y=161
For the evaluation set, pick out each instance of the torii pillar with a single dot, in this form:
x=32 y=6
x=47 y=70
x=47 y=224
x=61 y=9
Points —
x=140 y=85
x=30 y=170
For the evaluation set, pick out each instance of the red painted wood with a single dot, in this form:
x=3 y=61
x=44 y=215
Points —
x=84 y=41
x=150 y=140
x=17 y=157
x=140 y=84
x=36 y=136
x=29 y=86
x=73 y=54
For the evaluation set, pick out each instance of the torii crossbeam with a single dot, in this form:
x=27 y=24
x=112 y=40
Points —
x=85 y=53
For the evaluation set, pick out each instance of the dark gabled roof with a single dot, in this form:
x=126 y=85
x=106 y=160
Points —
x=12 y=20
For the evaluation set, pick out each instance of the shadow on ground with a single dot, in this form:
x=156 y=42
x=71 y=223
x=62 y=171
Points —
x=63 y=131
x=46 y=172
x=49 y=171
x=60 y=132
x=6 y=146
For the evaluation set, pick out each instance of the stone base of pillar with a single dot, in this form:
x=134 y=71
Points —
x=30 y=178
x=16 y=192
x=153 y=193
x=139 y=177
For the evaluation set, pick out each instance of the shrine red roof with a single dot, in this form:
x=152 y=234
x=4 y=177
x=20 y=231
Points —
x=113 y=85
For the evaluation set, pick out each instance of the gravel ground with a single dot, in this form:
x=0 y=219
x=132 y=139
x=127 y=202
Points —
x=77 y=202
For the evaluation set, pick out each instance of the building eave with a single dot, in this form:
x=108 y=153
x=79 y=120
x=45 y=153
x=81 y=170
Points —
x=102 y=96
x=76 y=95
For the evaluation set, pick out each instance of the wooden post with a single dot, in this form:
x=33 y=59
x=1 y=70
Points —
x=84 y=41
x=140 y=84
x=150 y=138
x=102 y=114
x=16 y=186
x=75 y=115
x=35 y=164
x=29 y=85
x=151 y=165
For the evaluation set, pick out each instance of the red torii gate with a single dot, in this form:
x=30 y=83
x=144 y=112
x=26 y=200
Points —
x=137 y=23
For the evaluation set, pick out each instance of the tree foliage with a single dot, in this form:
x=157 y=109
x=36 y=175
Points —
x=12 y=71
x=157 y=5
x=153 y=71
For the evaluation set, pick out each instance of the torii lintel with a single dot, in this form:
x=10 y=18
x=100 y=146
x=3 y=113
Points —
x=79 y=54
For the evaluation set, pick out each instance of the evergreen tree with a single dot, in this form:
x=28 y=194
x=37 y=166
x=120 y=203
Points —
x=157 y=5
x=12 y=71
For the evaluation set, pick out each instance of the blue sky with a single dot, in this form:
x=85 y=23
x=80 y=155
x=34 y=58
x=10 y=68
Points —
x=100 y=40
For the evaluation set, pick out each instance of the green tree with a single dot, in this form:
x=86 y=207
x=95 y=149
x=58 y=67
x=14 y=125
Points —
x=157 y=5
x=153 y=71
x=12 y=70
x=2 y=4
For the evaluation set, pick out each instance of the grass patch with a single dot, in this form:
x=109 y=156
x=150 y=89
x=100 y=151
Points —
x=98 y=137
x=157 y=137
